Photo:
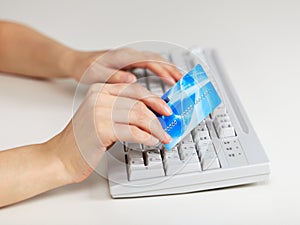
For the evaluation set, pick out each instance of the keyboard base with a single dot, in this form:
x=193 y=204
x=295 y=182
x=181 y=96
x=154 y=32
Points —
x=190 y=188
x=121 y=187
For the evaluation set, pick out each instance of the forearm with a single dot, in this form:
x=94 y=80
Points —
x=27 y=52
x=28 y=171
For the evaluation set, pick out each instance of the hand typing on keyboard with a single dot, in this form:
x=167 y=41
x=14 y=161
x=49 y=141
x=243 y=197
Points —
x=113 y=66
x=109 y=112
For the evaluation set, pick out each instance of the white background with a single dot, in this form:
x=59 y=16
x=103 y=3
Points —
x=259 y=44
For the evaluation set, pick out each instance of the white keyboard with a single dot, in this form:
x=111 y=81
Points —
x=223 y=150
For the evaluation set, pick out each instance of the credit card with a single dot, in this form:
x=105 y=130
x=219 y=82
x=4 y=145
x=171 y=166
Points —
x=191 y=99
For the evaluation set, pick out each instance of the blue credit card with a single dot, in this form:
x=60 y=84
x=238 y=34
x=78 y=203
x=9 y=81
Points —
x=191 y=99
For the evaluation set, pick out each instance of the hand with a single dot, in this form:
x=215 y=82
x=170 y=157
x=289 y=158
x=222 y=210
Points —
x=27 y=52
x=114 y=66
x=110 y=112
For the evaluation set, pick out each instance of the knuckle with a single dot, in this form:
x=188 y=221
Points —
x=139 y=90
x=138 y=135
x=135 y=131
x=142 y=118
x=116 y=89
x=95 y=88
x=100 y=99
x=92 y=99
x=136 y=86
x=139 y=107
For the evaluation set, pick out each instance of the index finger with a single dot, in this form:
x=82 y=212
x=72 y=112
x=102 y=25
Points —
x=157 y=64
x=136 y=91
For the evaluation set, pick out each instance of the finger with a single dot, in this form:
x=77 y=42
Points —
x=133 y=112
x=110 y=130
x=117 y=76
x=157 y=64
x=99 y=73
x=157 y=69
x=142 y=129
x=122 y=77
x=115 y=102
x=141 y=117
x=173 y=71
x=131 y=133
x=136 y=91
x=161 y=70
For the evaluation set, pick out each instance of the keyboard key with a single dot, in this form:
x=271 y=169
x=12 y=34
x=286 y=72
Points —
x=234 y=152
x=222 y=123
x=156 y=147
x=154 y=163
x=172 y=163
x=224 y=127
x=201 y=134
x=166 y=87
x=139 y=73
x=185 y=149
x=226 y=130
x=208 y=157
x=155 y=85
x=219 y=111
x=189 y=158
x=139 y=169
x=134 y=146
x=142 y=83
x=136 y=166
x=187 y=139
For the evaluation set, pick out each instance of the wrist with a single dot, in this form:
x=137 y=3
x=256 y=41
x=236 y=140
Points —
x=59 y=169
x=77 y=62
x=67 y=62
x=64 y=146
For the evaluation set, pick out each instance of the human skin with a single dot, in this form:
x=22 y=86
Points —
x=115 y=108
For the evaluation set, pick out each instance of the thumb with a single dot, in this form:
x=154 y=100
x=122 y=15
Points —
x=121 y=77
x=99 y=73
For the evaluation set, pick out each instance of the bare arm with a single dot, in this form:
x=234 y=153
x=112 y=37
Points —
x=72 y=155
x=27 y=52
x=29 y=170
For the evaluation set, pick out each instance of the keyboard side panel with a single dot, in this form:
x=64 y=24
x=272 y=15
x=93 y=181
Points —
x=250 y=143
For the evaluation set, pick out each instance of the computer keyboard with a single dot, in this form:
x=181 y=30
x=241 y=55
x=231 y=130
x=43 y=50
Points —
x=223 y=150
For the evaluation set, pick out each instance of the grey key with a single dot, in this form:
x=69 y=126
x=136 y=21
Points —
x=208 y=157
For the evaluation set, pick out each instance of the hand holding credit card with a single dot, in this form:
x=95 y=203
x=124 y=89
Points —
x=191 y=99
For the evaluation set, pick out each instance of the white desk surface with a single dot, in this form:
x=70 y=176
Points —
x=259 y=44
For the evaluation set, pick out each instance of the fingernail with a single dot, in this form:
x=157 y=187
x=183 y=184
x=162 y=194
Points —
x=130 y=78
x=168 y=138
x=154 y=141
x=168 y=110
x=170 y=81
